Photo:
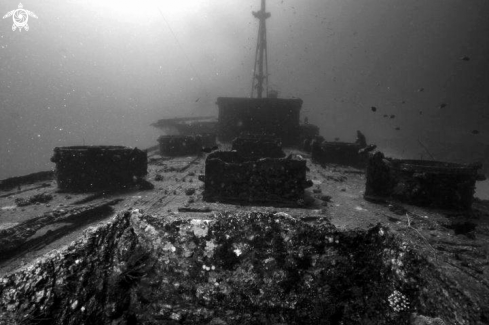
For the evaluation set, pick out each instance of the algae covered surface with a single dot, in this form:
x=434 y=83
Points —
x=273 y=269
x=232 y=268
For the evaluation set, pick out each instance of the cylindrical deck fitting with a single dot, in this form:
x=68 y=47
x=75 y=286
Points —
x=422 y=182
x=230 y=177
x=86 y=168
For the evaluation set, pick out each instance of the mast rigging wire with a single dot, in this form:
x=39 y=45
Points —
x=183 y=51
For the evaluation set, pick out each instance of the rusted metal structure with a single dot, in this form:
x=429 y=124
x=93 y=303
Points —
x=231 y=177
x=186 y=136
x=272 y=116
x=256 y=171
x=276 y=117
x=264 y=115
x=260 y=71
x=86 y=168
x=421 y=182
x=307 y=270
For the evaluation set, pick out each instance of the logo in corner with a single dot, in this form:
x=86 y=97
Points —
x=20 y=17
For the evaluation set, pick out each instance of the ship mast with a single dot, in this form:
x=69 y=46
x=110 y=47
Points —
x=260 y=78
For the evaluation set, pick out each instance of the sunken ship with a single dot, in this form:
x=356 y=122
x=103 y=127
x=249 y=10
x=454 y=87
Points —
x=250 y=217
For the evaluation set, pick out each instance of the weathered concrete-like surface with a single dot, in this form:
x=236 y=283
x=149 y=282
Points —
x=245 y=268
x=70 y=286
x=256 y=268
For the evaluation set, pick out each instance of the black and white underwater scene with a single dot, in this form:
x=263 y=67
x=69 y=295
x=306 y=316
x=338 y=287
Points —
x=227 y=162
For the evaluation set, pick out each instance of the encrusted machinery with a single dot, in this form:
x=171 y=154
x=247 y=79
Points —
x=86 y=168
x=186 y=136
x=353 y=154
x=231 y=177
x=422 y=182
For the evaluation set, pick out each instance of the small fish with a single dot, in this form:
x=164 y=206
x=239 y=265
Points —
x=197 y=100
x=336 y=139
x=398 y=128
x=465 y=58
x=209 y=150
x=393 y=116
x=420 y=90
x=475 y=131
x=373 y=108
x=420 y=112
x=403 y=102
x=385 y=115
x=442 y=105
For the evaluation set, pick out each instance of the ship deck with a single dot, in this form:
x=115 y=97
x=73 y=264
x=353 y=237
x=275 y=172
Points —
x=456 y=241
